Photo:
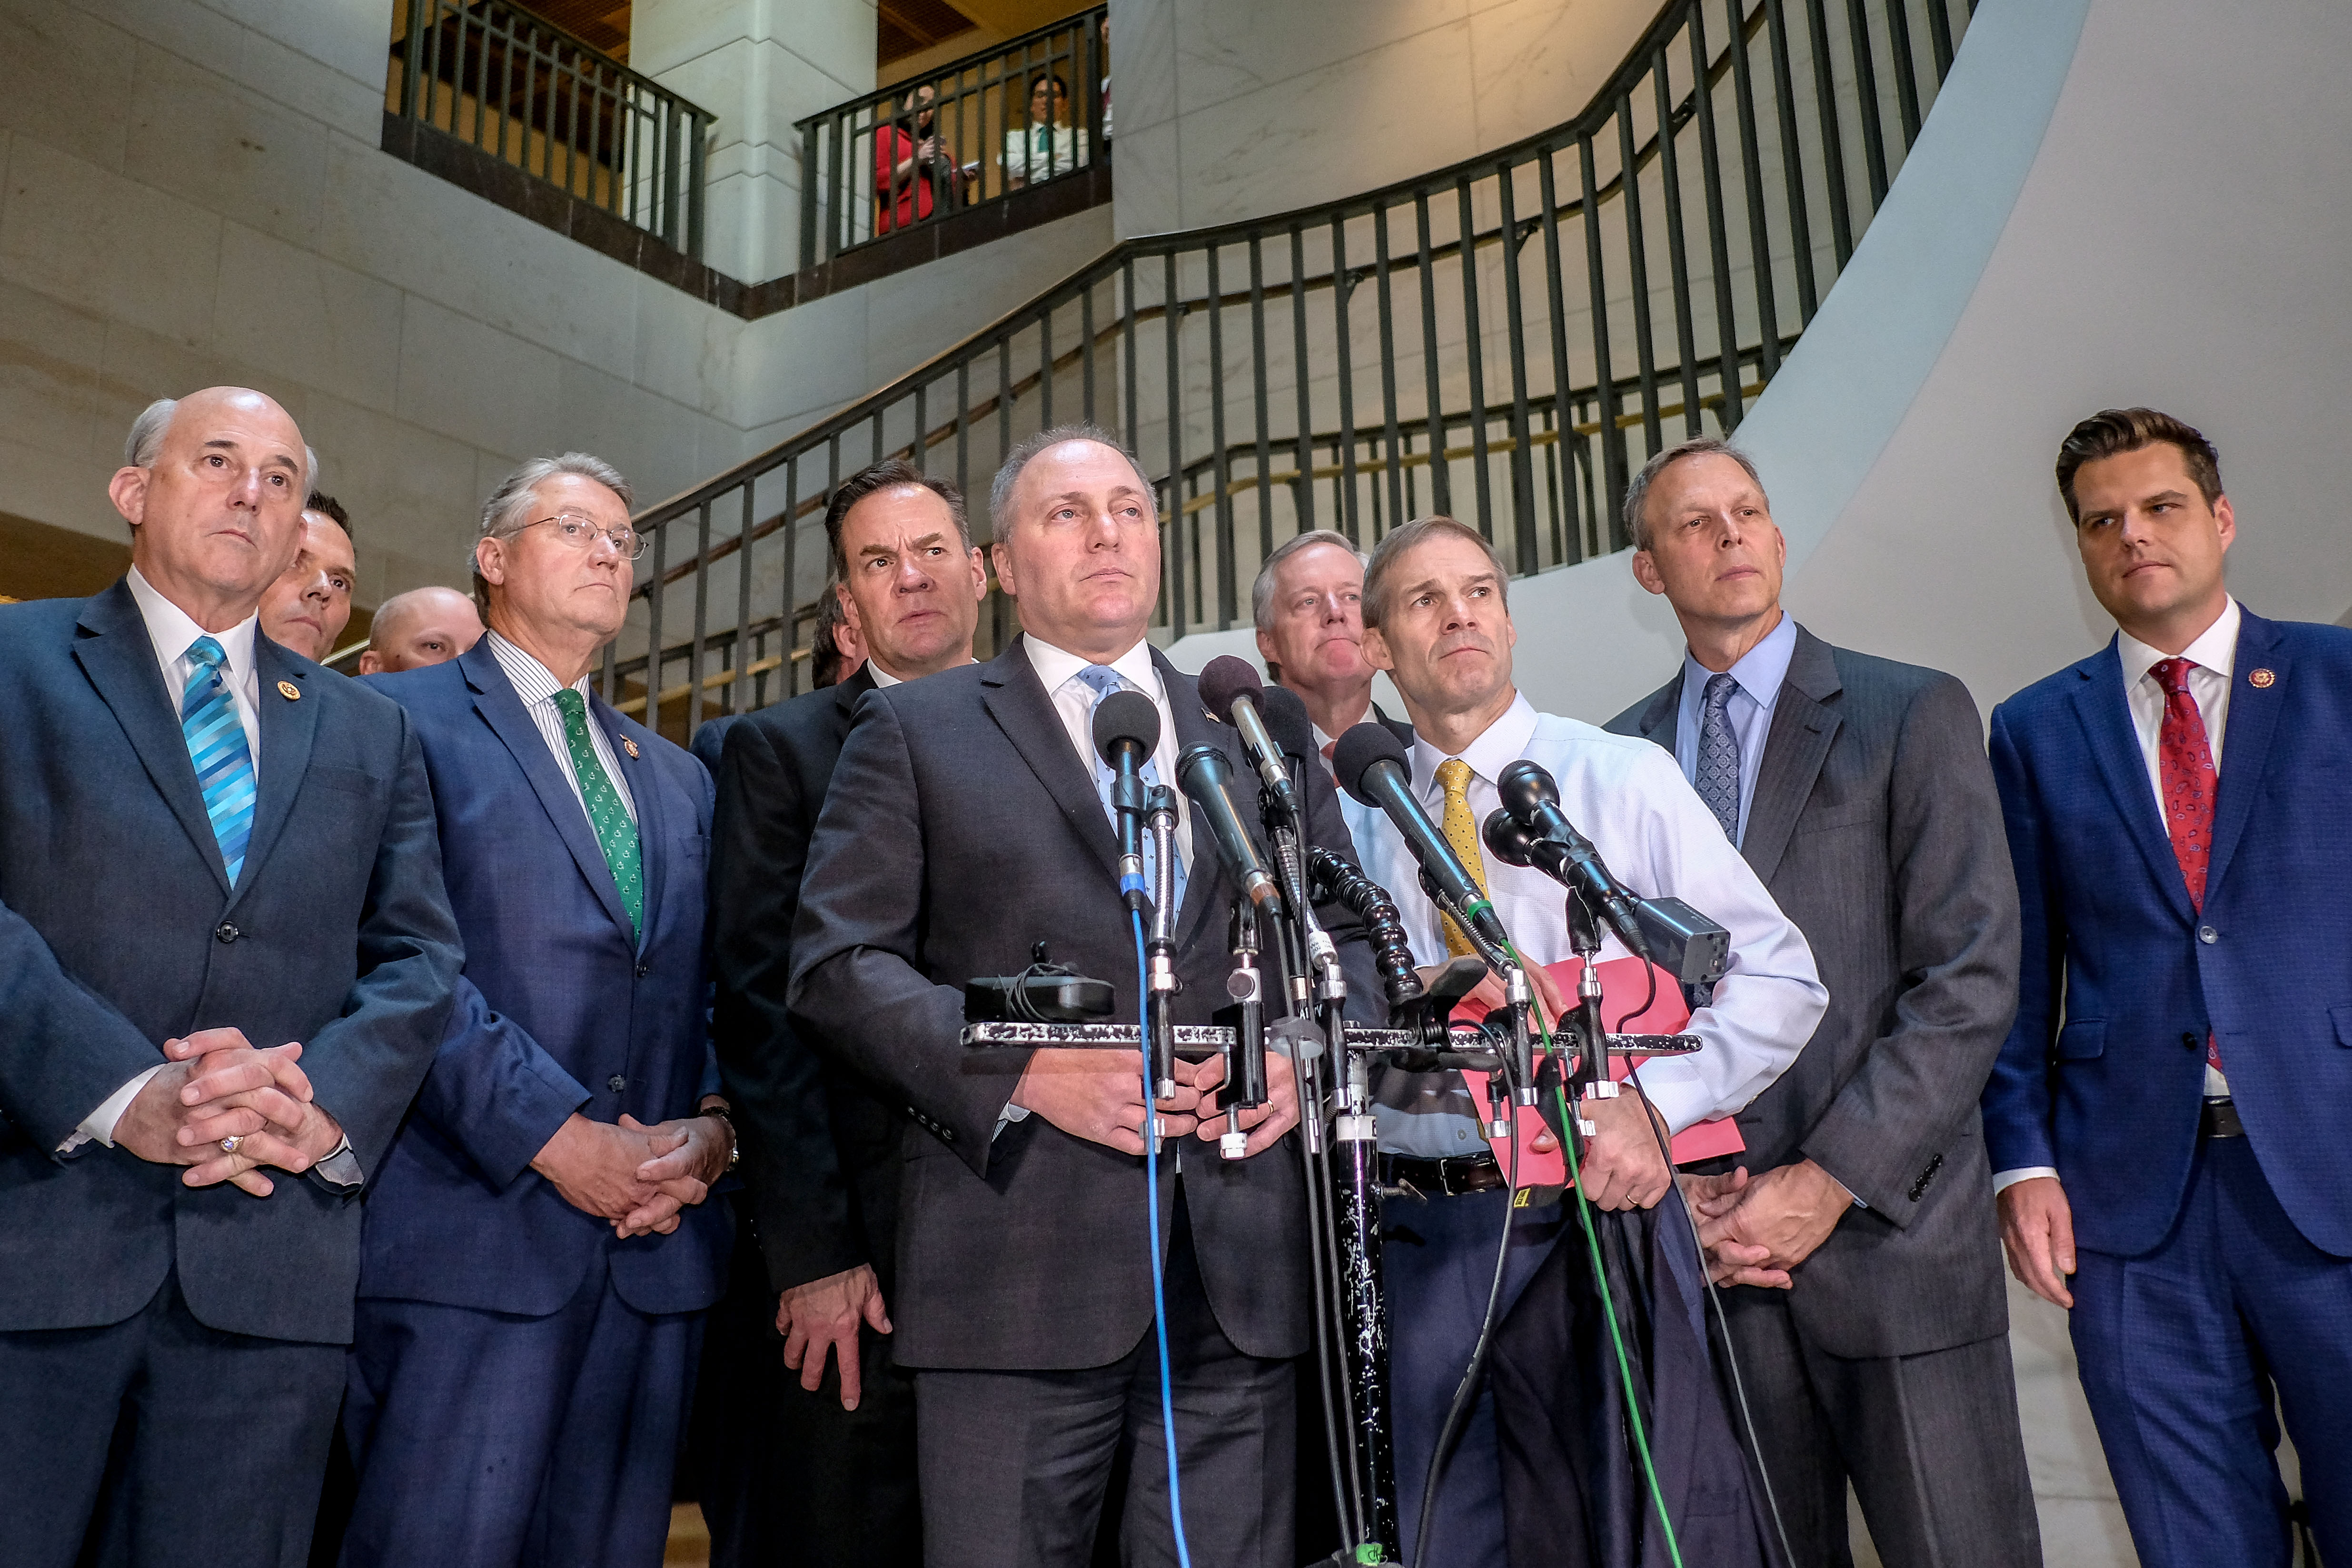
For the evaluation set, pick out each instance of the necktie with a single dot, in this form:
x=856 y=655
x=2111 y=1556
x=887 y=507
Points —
x=2184 y=764
x=616 y=834
x=1461 y=828
x=1719 y=755
x=216 y=746
x=1104 y=680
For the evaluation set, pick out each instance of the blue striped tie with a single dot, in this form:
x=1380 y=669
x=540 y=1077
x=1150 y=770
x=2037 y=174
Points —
x=1104 y=680
x=216 y=745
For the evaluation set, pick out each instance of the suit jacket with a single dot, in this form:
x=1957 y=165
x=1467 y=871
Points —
x=961 y=828
x=2122 y=978
x=119 y=930
x=559 y=1012
x=821 y=1140
x=1877 y=828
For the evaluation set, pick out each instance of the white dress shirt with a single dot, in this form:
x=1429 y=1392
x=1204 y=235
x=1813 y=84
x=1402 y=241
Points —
x=1755 y=690
x=172 y=631
x=2212 y=659
x=1661 y=840
x=536 y=686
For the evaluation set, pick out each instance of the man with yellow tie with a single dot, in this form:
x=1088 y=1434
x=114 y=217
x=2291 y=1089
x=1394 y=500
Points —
x=1436 y=619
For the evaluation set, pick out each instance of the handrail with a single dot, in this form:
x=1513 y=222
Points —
x=847 y=200
x=1548 y=310
x=533 y=95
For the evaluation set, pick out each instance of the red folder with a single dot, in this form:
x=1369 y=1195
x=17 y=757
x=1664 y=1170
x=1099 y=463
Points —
x=1622 y=984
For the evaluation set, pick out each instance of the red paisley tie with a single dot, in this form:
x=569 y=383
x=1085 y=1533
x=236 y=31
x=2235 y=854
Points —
x=2185 y=767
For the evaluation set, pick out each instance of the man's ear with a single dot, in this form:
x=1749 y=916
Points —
x=1645 y=573
x=1003 y=558
x=1376 y=650
x=490 y=561
x=128 y=491
x=978 y=562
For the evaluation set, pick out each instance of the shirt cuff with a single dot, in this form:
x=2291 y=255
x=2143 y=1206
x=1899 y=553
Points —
x=1008 y=1115
x=100 y=1124
x=2023 y=1173
x=1833 y=1176
x=341 y=1168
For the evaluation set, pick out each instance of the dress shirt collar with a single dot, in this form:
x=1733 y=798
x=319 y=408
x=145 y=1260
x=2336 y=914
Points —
x=534 y=681
x=1758 y=672
x=881 y=676
x=172 y=629
x=1499 y=745
x=2216 y=649
x=1054 y=665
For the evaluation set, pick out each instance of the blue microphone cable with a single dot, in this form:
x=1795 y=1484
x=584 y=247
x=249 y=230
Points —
x=1159 y=1280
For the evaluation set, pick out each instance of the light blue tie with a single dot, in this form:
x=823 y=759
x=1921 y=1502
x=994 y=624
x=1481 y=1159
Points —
x=216 y=745
x=1719 y=755
x=1104 y=680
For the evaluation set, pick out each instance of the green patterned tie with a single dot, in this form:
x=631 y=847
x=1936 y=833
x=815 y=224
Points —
x=606 y=815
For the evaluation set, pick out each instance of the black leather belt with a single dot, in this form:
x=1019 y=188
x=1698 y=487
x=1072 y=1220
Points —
x=2219 y=1118
x=1451 y=1178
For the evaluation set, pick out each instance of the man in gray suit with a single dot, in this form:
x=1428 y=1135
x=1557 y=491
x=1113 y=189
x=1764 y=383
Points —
x=1871 y=1336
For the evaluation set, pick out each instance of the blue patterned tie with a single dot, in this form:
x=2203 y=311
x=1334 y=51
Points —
x=216 y=745
x=1104 y=680
x=1719 y=756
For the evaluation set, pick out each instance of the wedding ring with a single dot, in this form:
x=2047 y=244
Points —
x=228 y=1144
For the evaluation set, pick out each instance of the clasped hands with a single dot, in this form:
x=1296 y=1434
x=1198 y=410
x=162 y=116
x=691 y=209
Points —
x=215 y=1086
x=1098 y=1096
x=638 y=1178
x=1756 y=1230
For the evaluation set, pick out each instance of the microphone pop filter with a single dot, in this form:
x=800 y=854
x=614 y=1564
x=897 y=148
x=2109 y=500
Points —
x=1126 y=716
x=1225 y=678
x=1286 y=722
x=1361 y=749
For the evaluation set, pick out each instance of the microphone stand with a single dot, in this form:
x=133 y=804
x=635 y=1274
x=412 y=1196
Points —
x=1244 y=1084
x=1593 y=1079
x=1160 y=948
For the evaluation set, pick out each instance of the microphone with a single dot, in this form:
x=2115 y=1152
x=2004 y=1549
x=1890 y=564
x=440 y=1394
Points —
x=1231 y=692
x=1287 y=723
x=1127 y=731
x=1373 y=768
x=1207 y=777
x=1532 y=797
x=1684 y=942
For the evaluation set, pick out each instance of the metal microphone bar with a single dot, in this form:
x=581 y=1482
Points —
x=1210 y=1038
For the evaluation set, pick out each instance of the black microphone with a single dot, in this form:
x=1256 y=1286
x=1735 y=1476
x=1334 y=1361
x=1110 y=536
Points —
x=1287 y=723
x=1231 y=690
x=1207 y=777
x=1127 y=731
x=1532 y=797
x=1373 y=767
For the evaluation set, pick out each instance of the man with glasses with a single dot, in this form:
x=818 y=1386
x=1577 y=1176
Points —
x=537 y=1256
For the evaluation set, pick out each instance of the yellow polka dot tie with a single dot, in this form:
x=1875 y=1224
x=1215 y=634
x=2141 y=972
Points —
x=1461 y=832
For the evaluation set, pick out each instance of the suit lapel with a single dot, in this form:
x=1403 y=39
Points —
x=1016 y=700
x=502 y=710
x=1662 y=714
x=846 y=698
x=118 y=656
x=1796 y=745
x=288 y=726
x=653 y=807
x=2246 y=741
x=2105 y=716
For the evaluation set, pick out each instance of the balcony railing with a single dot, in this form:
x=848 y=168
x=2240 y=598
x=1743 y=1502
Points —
x=533 y=97
x=1031 y=110
x=1504 y=340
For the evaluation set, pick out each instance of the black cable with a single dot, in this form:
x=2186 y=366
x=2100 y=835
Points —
x=1343 y=1490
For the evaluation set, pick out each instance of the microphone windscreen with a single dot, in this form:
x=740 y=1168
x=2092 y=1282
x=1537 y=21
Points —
x=1126 y=716
x=1286 y=722
x=1360 y=750
x=1225 y=678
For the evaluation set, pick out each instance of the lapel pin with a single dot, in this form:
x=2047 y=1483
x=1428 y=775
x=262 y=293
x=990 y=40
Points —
x=629 y=747
x=2263 y=678
x=293 y=693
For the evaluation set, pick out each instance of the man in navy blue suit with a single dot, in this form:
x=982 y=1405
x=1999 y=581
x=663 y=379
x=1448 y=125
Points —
x=537 y=1255
x=205 y=847
x=2167 y=1119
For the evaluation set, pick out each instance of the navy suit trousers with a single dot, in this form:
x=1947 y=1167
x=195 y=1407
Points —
x=500 y=1441
x=2182 y=1350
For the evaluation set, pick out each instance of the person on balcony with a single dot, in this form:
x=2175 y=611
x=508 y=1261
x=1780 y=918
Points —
x=1047 y=146
x=912 y=173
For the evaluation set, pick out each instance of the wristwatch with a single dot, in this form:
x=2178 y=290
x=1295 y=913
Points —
x=734 y=1139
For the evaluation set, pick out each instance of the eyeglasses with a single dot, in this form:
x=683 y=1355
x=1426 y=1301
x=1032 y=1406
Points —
x=582 y=533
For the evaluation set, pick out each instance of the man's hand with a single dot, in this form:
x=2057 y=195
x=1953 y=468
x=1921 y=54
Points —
x=1489 y=991
x=821 y=1318
x=689 y=1155
x=1098 y=1096
x=214 y=1086
x=1621 y=1166
x=1729 y=1261
x=1789 y=1211
x=594 y=1166
x=2037 y=1231
x=1264 y=1123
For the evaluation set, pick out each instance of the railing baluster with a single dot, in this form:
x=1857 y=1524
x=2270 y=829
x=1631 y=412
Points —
x=1482 y=482
x=1677 y=253
x=1441 y=483
x=1170 y=317
x=1394 y=436
x=1637 y=266
x=1258 y=388
x=1792 y=162
x=1555 y=306
x=1907 y=68
x=1523 y=482
x=1222 y=467
x=1751 y=159
x=1825 y=107
x=1865 y=77
x=1303 y=446
x=739 y=700
x=701 y=621
x=1612 y=439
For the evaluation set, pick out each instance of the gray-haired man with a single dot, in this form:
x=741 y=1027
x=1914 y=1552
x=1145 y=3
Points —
x=1308 y=603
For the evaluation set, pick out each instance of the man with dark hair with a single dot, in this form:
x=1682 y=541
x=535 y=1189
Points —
x=1872 y=1339
x=968 y=823
x=2165 y=1120
x=835 y=653
x=821 y=1140
x=310 y=603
